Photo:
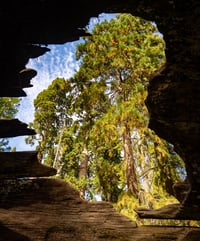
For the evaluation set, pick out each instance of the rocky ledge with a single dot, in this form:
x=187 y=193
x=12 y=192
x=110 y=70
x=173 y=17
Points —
x=49 y=209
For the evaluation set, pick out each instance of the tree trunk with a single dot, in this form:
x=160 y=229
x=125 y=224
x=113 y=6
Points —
x=131 y=178
x=58 y=163
x=83 y=170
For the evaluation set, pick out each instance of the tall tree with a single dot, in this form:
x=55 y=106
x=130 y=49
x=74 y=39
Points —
x=121 y=55
x=50 y=120
x=95 y=124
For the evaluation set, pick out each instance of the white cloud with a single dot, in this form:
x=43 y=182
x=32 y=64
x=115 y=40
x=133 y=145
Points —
x=59 y=62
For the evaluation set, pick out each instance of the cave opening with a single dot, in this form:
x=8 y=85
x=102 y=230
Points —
x=49 y=61
x=173 y=101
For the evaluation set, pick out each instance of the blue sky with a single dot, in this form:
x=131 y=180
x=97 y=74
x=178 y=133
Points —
x=59 y=62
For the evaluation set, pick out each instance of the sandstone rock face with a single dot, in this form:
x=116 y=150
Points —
x=47 y=209
x=23 y=164
x=173 y=100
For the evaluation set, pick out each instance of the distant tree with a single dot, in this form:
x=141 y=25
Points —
x=50 y=119
x=8 y=109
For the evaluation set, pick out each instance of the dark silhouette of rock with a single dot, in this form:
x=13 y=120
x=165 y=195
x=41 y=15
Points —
x=14 y=127
x=10 y=235
x=23 y=164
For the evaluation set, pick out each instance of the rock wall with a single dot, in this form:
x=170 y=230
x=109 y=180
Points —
x=49 y=209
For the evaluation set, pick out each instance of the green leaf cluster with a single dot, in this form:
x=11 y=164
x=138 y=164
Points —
x=8 y=110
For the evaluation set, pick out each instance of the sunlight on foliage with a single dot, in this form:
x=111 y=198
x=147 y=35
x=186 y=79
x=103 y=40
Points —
x=93 y=127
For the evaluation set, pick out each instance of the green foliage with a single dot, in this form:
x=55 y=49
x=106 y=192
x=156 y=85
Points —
x=8 y=110
x=8 y=107
x=120 y=60
x=50 y=116
x=127 y=203
x=94 y=126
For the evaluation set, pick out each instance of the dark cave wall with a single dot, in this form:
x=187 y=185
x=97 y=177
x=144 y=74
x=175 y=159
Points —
x=173 y=95
x=173 y=99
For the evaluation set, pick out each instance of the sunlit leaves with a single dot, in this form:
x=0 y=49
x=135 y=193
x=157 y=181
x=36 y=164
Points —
x=127 y=42
x=101 y=111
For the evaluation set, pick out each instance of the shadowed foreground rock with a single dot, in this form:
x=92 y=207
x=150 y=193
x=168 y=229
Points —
x=49 y=209
x=14 y=127
x=172 y=211
x=23 y=164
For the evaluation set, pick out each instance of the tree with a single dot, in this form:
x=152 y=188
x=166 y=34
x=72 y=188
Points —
x=8 y=109
x=96 y=123
x=50 y=119
x=122 y=55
